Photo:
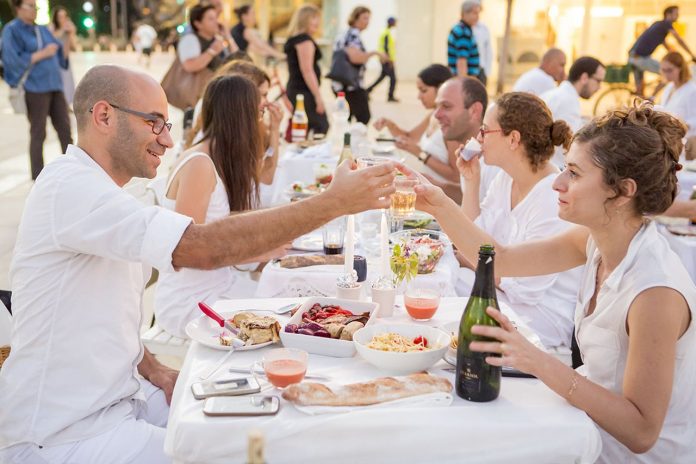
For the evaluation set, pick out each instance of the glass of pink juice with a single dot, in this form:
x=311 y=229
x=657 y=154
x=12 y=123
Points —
x=421 y=301
x=285 y=366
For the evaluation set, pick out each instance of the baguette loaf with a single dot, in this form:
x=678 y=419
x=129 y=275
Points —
x=366 y=393
x=296 y=261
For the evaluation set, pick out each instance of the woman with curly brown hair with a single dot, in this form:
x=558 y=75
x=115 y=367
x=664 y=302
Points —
x=518 y=136
x=634 y=314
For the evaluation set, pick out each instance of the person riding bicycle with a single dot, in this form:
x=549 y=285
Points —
x=639 y=54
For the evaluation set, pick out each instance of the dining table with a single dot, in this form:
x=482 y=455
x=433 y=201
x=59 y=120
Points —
x=527 y=423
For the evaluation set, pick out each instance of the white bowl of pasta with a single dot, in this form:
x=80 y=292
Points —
x=401 y=348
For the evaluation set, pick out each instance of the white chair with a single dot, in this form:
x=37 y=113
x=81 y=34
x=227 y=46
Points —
x=155 y=339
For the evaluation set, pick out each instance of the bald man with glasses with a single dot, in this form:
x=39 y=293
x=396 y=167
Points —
x=79 y=385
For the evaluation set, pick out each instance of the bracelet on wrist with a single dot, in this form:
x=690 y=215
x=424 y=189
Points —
x=573 y=384
x=424 y=157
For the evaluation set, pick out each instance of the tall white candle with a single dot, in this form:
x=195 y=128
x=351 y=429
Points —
x=384 y=246
x=350 y=245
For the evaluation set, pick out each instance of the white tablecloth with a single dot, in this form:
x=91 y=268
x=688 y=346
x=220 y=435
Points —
x=276 y=282
x=528 y=423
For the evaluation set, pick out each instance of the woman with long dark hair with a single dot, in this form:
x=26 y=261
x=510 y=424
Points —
x=215 y=178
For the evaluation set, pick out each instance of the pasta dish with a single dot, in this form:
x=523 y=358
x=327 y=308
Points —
x=398 y=343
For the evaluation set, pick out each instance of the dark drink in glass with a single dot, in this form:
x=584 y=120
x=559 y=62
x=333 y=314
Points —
x=333 y=249
x=360 y=267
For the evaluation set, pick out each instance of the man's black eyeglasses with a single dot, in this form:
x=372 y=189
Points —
x=157 y=122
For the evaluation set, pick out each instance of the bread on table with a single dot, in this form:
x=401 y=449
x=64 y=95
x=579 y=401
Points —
x=366 y=393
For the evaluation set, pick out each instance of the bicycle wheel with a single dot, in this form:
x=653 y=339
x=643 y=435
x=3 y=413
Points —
x=612 y=98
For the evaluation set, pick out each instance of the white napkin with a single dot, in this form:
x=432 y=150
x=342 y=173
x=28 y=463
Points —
x=322 y=150
x=428 y=400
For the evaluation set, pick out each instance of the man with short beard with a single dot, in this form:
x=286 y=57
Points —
x=79 y=386
x=460 y=105
x=584 y=79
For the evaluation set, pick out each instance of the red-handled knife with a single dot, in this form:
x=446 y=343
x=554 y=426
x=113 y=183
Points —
x=211 y=313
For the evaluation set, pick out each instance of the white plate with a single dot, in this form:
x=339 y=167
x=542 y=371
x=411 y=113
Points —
x=310 y=242
x=383 y=149
x=206 y=331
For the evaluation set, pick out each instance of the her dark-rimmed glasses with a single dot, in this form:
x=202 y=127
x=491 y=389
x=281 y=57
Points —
x=483 y=131
x=156 y=122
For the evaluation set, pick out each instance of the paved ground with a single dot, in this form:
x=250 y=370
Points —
x=15 y=180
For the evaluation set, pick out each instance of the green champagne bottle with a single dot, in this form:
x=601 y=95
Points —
x=346 y=154
x=476 y=380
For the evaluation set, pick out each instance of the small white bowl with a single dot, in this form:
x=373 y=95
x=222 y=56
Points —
x=402 y=363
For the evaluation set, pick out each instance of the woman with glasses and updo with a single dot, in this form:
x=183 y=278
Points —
x=518 y=136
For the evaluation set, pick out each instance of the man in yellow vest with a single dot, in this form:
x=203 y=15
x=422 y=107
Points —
x=386 y=46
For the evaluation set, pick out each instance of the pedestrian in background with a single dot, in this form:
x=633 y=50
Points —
x=31 y=50
x=304 y=74
x=143 y=40
x=386 y=45
x=462 y=51
x=350 y=41
x=482 y=35
x=64 y=30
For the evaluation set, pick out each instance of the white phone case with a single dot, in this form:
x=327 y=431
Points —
x=225 y=387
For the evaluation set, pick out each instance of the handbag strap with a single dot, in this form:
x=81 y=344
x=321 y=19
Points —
x=25 y=76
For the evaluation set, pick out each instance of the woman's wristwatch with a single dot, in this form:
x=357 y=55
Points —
x=424 y=157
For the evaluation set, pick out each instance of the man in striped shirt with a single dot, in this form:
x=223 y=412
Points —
x=462 y=52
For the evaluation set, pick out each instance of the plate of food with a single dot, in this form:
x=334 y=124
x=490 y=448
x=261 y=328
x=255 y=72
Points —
x=255 y=330
x=303 y=190
x=383 y=148
x=401 y=348
x=428 y=245
x=418 y=220
x=326 y=326
x=312 y=241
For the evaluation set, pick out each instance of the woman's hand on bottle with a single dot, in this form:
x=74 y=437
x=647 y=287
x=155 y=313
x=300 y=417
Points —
x=407 y=144
x=515 y=350
x=469 y=170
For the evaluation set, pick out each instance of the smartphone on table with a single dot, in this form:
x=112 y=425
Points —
x=255 y=405
x=225 y=387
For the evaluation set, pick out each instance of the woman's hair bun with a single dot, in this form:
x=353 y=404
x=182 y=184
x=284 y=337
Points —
x=561 y=135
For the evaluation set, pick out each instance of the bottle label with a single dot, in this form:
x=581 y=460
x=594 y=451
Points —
x=469 y=374
x=298 y=135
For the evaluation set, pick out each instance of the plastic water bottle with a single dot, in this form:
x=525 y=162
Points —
x=339 y=124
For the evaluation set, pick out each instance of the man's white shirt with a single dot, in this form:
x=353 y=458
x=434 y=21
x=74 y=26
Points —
x=564 y=103
x=535 y=81
x=82 y=257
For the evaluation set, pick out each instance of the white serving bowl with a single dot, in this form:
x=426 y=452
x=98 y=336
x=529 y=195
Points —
x=402 y=363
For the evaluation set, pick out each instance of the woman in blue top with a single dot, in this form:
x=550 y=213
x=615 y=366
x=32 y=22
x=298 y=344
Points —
x=30 y=49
